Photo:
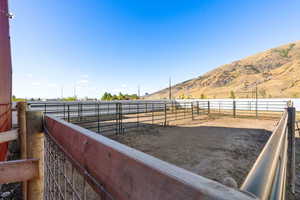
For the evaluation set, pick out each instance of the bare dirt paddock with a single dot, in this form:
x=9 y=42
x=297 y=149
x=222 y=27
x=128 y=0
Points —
x=211 y=147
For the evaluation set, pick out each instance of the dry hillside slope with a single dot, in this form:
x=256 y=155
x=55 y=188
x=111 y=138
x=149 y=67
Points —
x=276 y=72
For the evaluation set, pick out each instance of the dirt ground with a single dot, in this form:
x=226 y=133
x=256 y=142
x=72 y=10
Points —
x=213 y=148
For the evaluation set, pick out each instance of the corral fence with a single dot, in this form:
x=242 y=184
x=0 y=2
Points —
x=77 y=163
x=122 y=116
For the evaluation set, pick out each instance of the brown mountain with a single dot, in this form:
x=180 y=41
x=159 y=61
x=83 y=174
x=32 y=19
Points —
x=275 y=72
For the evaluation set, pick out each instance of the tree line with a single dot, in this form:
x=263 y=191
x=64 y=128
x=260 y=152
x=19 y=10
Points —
x=109 y=97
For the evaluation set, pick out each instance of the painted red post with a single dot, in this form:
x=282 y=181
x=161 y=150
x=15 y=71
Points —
x=5 y=75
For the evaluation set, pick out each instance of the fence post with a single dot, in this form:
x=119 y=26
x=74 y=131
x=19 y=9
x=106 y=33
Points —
x=197 y=107
x=35 y=149
x=291 y=132
x=153 y=113
x=22 y=107
x=234 y=109
x=165 y=123
x=68 y=113
x=121 y=118
x=175 y=110
x=138 y=115
x=146 y=108
x=192 y=110
x=208 y=107
x=256 y=108
x=98 y=117
x=117 y=117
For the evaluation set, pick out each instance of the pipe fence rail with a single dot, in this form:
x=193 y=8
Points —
x=271 y=173
x=79 y=161
x=71 y=167
x=116 y=118
x=122 y=116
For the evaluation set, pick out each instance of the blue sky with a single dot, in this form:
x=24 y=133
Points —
x=116 y=45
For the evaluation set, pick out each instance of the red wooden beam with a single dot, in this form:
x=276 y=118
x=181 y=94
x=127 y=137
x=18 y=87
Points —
x=130 y=174
x=5 y=75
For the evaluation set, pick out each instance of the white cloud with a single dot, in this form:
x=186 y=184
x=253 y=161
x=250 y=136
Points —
x=85 y=76
x=124 y=86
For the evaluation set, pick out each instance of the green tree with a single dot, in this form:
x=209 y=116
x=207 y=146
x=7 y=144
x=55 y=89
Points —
x=70 y=99
x=106 y=97
x=115 y=97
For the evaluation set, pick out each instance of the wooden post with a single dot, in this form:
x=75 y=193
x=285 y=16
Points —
x=291 y=132
x=197 y=107
x=35 y=149
x=22 y=108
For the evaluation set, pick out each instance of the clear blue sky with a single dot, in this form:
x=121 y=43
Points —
x=116 y=45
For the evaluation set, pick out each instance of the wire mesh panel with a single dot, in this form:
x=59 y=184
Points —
x=64 y=179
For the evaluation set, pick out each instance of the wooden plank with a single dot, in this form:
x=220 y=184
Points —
x=128 y=174
x=9 y=135
x=17 y=171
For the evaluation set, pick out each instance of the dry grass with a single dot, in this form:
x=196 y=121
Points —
x=276 y=74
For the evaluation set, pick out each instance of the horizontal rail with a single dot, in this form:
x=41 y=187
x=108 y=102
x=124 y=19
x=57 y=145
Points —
x=267 y=177
x=127 y=173
x=9 y=135
x=17 y=171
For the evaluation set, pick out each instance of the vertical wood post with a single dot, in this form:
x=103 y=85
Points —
x=35 y=149
x=197 y=107
x=22 y=108
x=291 y=132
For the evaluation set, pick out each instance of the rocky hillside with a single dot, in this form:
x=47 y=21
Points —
x=276 y=72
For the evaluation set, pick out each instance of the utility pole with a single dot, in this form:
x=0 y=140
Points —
x=62 y=92
x=170 y=88
x=75 y=91
x=5 y=75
